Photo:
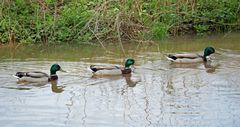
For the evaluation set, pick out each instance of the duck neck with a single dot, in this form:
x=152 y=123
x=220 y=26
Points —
x=204 y=58
x=52 y=72
x=53 y=78
x=126 y=71
x=127 y=66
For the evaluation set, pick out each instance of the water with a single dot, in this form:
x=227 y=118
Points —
x=156 y=94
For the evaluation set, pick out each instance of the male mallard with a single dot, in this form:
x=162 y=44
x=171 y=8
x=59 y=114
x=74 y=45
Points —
x=37 y=76
x=191 y=58
x=112 y=70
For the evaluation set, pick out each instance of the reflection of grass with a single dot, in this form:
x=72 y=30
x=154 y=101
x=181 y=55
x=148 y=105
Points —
x=41 y=52
x=96 y=53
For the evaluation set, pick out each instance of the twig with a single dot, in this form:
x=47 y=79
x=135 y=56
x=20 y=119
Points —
x=118 y=24
x=97 y=38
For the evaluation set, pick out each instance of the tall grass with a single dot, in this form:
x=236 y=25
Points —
x=84 y=21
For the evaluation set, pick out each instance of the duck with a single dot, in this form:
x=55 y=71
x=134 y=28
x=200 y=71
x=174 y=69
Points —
x=109 y=70
x=38 y=76
x=192 y=58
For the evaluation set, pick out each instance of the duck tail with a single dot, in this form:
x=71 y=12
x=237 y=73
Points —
x=19 y=75
x=171 y=57
x=92 y=68
x=15 y=76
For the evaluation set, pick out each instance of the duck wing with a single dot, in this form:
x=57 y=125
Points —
x=95 y=68
x=181 y=56
x=35 y=74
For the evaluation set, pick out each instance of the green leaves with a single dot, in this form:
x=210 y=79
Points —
x=57 y=21
x=159 y=31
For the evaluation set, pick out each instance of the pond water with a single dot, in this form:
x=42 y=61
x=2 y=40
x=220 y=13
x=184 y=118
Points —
x=158 y=93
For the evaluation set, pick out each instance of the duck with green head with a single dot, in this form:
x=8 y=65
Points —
x=107 y=70
x=191 y=58
x=37 y=76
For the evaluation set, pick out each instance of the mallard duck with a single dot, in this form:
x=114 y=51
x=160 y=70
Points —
x=192 y=58
x=105 y=70
x=37 y=76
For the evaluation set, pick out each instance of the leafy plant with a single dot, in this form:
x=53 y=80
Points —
x=53 y=21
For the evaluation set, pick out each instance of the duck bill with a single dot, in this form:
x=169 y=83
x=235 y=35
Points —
x=62 y=70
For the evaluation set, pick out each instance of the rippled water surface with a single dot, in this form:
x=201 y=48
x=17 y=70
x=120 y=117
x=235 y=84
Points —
x=158 y=93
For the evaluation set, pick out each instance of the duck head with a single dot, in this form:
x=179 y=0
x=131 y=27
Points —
x=129 y=62
x=54 y=68
x=208 y=51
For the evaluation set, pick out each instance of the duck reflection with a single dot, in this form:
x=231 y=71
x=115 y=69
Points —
x=189 y=65
x=210 y=66
x=130 y=80
x=169 y=87
x=28 y=85
x=56 y=88
x=37 y=84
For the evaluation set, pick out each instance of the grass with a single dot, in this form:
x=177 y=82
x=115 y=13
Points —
x=101 y=21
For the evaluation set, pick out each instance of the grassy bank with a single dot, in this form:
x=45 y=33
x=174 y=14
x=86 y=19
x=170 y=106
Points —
x=83 y=21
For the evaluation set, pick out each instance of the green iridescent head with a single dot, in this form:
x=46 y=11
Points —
x=129 y=62
x=55 y=68
x=208 y=51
